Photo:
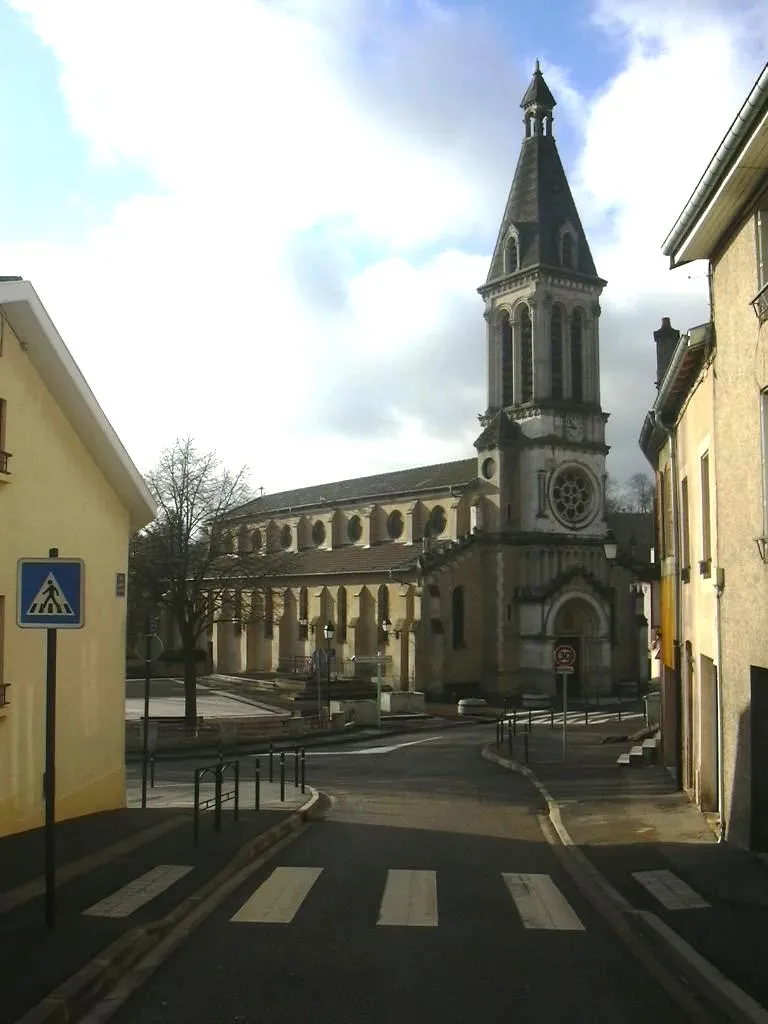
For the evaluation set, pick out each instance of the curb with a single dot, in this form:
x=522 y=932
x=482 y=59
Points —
x=704 y=978
x=93 y=981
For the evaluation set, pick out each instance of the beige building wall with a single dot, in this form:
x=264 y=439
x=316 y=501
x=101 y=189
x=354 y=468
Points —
x=56 y=496
x=742 y=372
x=695 y=450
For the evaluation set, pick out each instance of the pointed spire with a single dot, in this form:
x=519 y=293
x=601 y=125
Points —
x=538 y=100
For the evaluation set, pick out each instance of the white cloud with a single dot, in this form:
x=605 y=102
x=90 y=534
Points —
x=298 y=291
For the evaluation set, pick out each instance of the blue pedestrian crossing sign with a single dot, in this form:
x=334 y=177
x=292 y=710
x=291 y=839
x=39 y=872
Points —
x=50 y=593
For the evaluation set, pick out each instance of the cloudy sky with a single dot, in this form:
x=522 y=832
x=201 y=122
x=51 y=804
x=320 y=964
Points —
x=262 y=223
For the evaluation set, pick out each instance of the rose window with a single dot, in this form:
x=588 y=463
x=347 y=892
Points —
x=572 y=496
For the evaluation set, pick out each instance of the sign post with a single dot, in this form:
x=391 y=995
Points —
x=150 y=652
x=50 y=595
x=564 y=656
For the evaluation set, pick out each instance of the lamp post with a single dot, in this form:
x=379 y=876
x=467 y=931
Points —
x=328 y=632
x=386 y=626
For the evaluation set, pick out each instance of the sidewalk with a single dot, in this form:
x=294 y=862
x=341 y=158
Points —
x=656 y=850
x=124 y=878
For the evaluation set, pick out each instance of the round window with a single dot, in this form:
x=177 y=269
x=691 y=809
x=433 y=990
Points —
x=395 y=524
x=489 y=468
x=286 y=536
x=437 y=521
x=318 y=533
x=354 y=528
x=573 y=496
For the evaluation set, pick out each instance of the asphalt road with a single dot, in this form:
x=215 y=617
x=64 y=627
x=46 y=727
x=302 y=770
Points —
x=428 y=893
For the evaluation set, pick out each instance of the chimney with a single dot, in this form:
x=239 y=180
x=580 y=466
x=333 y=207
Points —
x=666 y=339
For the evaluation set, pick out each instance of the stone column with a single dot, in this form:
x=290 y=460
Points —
x=493 y=335
x=517 y=362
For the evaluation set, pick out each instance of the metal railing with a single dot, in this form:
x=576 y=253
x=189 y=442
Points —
x=4 y=687
x=4 y=456
x=220 y=796
x=760 y=303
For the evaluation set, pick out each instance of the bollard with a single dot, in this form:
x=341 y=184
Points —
x=271 y=774
x=514 y=721
x=551 y=716
x=257 y=785
x=499 y=731
x=237 y=790
x=303 y=769
x=586 y=716
x=530 y=719
x=296 y=768
x=509 y=739
x=196 y=818
x=282 y=775
x=217 y=801
x=525 y=746
x=619 y=709
x=151 y=773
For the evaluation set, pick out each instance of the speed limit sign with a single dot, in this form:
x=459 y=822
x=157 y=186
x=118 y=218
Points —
x=565 y=659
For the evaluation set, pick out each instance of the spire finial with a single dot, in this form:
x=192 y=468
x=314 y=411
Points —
x=538 y=69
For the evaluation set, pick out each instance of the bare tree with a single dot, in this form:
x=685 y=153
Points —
x=615 y=496
x=640 y=490
x=186 y=562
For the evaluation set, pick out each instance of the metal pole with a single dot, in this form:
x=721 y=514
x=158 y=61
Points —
x=237 y=790
x=196 y=817
x=303 y=769
x=50 y=777
x=509 y=739
x=217 y=800
x=378 y=692
x=257 y=786
x=152 y=772
x=147 y=681
x=328 y=661
x=564 y=678
x=271 y=772
x=526 y=734
x=296 y=768
x=282 y=775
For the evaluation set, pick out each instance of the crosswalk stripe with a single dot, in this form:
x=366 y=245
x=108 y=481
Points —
x=138 y=892
x=410 y=898
x=279 y=897
x=540 y=903
x=671 y=891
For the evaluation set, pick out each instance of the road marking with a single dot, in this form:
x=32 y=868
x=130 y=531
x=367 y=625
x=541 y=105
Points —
x=410 y=898
x=278 y=898
x=371 y=750
x=669 y=890
x=540 y=903
x=138 y=892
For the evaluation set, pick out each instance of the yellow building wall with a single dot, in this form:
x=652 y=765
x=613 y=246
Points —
x=56 y=496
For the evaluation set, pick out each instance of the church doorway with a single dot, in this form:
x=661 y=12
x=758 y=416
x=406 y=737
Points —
x=577 y=623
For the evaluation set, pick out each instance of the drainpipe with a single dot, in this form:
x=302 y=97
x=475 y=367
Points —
x=669 y=432
x=719 y=588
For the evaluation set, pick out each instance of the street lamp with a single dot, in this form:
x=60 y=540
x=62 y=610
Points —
x=610 y=547
x=328 y=633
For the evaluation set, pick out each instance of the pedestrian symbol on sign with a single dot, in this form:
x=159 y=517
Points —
x=50 y=599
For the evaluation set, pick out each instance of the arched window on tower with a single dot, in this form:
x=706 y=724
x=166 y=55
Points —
x=568 y=251
x=577 y=356
x=526 y=354
x=511 y=262
x=457 y=616
x=507 y=362
x=556 y=353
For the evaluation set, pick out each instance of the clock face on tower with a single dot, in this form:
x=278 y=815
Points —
x=574 y=428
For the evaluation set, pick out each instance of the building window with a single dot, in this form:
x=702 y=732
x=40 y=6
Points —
x=303 y=614
x=577 y=363
x=4 y=455
x=556 y=355
x=705 y=566
x=382 y=611
x=511 y=255
x=341 y=616
x=395 y=524
x=318 y=533
x=526 y=355
x=437 y=521
x=457 y=616
x=355 y=529
x=286 y=536
x=269 y=614
x=256 y=540
x=244 y=541
x=227 y=543
x=685 y=531
x=667 y=512
x=569 y=250
x=507 y=361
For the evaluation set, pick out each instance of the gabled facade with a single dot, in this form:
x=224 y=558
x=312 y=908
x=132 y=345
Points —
x=480 y=564
x=65 y=482
x=726 y=223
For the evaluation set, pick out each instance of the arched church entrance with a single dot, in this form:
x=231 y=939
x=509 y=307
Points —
x=577 y=623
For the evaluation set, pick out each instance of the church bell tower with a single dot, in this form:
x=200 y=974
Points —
x=543 y=443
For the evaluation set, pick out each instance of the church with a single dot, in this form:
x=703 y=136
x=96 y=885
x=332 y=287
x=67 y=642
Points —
x=467 y=573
